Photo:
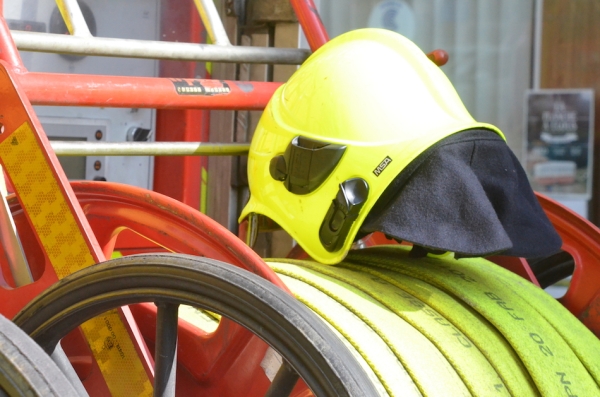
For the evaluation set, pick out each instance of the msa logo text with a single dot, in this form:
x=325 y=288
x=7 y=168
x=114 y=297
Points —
x=377 y=171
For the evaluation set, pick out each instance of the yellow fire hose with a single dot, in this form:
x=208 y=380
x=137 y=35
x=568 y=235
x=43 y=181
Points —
x=437 y=326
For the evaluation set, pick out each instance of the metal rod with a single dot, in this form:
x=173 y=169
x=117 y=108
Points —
x=165 y=353
x=252 y=230
x=212 y=22
x=68 y=148
x=17 y=262
x=62 y=362
x=538 y=16
x=144 y=92
x=311 y=23
x=71 y=13
x=126 y=48
x=284 y=381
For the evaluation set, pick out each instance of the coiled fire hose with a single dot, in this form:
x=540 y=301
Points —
x=437 y=326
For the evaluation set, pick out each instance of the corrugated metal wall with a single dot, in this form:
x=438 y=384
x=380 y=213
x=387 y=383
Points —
x=489 y=42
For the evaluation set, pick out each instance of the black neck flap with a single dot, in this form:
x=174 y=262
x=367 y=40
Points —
x=467 y=194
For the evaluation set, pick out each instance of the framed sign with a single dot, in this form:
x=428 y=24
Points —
x=559 y=131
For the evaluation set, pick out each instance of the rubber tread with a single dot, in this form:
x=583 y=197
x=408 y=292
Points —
x=25 y=369
x=289 y=327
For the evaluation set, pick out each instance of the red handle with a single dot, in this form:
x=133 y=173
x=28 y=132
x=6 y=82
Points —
x=439 y=57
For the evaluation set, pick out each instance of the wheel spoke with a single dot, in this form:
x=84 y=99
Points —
x=165 y=356
x=62 y=362
x=284 y=381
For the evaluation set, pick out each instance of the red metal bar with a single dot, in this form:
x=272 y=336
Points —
x=63 y=232
x=144 y=92
x=180 y=177
x=311 y=23
x=581 y=239
x=439 y=57
x=516 y=265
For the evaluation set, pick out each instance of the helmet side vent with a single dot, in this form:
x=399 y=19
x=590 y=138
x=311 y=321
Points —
x=306 y=164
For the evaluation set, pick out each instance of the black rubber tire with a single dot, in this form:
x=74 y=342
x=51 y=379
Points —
x=25 y=369
x=312 y=349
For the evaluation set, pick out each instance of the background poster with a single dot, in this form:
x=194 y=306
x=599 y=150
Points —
x=558 y=142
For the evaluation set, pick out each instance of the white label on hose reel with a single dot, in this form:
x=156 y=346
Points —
x=271 y=363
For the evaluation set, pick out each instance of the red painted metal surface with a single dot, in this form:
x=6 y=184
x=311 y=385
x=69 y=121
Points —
x=225 y=362
x=16 y=110
x=518 y=266
x=111 y=208
x=61 y=209
x=311 y=23
x=149 y=92
x=439 y=57
x=140 y=92
x=230 y=350
x=181 y=177
x=581 y=239
x=8 y=51
x=236 y=371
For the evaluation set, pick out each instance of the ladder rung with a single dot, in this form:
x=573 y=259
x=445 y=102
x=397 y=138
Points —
x=126 y=48
x=212 y=21
x=73 y=17
x=68 y=148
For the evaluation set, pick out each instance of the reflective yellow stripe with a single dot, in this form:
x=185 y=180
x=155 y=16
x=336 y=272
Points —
x=68 y=251
x=44 y=203
x=65 y=14
x=116 y=355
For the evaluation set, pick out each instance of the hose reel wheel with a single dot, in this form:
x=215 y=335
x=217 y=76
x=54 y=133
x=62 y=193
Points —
x=25 y=369
x=309 y=348
x=428 y=285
